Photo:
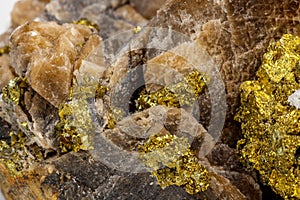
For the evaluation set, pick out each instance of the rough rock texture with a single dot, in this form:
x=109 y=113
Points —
x=235 y=34
x=47 y=55
x=26 y=10
x=100 y=12
x=6 y=73
x=146 y=8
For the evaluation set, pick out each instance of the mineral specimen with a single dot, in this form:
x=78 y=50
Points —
x=75 y=126
x=48 y=54
x=88 y=23
x=179 y=164
x=146 y=8
x=14 y=91
x=111 y=16
x=38 y=161
x=177 y=95
x=270 y=125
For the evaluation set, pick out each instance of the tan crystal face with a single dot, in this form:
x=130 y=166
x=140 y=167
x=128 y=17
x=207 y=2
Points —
x=270 y=118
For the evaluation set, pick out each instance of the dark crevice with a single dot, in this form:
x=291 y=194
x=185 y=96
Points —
x=297 y=154
x=133 y=107
x=269 y=194
x=5 y=129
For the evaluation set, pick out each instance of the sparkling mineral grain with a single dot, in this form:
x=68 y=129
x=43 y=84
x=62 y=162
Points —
x=179 y=164
x=270 y=125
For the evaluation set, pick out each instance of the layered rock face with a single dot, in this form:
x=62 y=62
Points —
x=116 y=99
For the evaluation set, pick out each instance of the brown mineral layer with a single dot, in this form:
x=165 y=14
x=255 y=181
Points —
x=6 y=73
x=47 y=55
x=146 y=8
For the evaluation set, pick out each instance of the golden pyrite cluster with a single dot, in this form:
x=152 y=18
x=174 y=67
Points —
x=270 y=120
x=180 y=94
x=169 y=157
x=172 y=162
x=4 y=50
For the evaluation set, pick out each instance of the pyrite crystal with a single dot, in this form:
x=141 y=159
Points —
x=4 y=50
x=172 y=162
x=75 y=127
x=270 y=124
x=176 y=95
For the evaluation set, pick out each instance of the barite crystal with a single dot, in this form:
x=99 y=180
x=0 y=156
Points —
x=27 y=10
x=47 y=55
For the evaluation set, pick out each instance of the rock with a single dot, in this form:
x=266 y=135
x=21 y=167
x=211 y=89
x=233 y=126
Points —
x=27 y=10
x=235 y=40
x=230 y=167
x=146 y=8
x=172 y=69
x=110 y=16
x=130 y=14
x=6 y=73
x=48 y=61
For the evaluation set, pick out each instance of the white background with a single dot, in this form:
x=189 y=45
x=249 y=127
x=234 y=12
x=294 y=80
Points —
x=5 y=9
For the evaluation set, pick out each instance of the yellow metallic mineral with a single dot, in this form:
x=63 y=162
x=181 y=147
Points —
x=137 y=29
x=86 y=22
x=115 y=115
x=176 y=95
x=172 y=162
x=75 y=128
x=14 y=91
x=19 y=155
x=101 y=90
x=270 y=124
x=4 y=50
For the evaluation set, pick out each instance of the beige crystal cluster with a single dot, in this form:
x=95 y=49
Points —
x=48 y=55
